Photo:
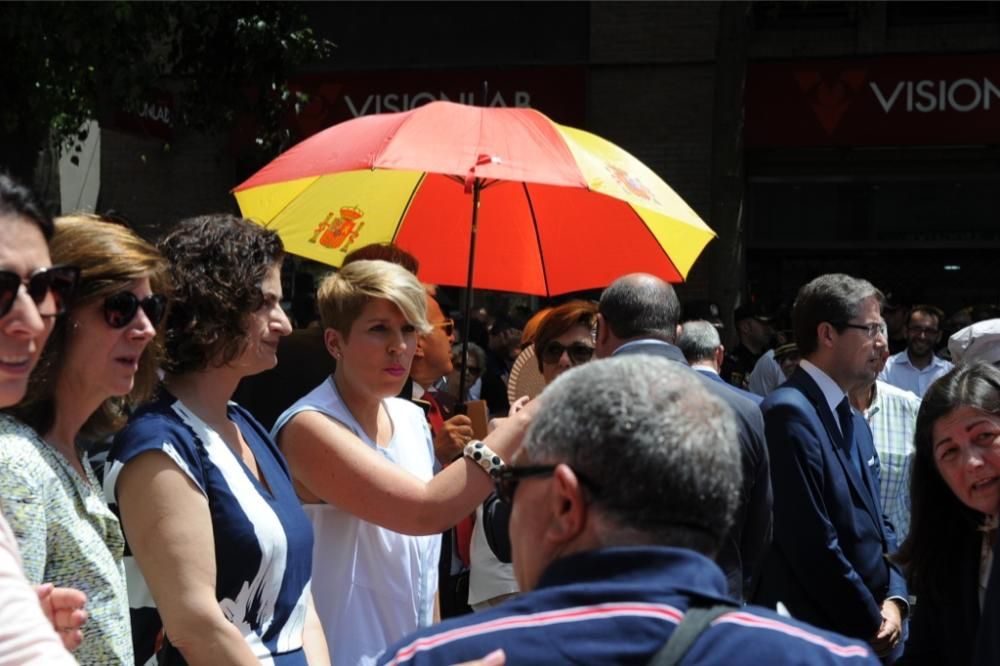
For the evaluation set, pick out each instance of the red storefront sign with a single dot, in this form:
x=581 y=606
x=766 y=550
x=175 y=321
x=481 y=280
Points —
x=558 y=92
x=886 y=101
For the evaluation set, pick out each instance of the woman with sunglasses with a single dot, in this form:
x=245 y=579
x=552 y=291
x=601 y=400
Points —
x=98 y=364
x=363 y=461
x=565 y=338
x=26 y=318
x=218 y=537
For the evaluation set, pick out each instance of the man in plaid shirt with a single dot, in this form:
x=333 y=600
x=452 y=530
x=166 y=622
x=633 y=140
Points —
x=891 y=413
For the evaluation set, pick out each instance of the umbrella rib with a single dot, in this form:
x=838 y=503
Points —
x=538 y=239
x=406 y=208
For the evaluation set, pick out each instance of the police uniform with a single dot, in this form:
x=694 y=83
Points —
x=737 y=366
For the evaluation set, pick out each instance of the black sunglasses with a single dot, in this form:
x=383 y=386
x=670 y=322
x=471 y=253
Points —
x=578 y=352
x=59 y=281
x=505 y=481
x=121 y=308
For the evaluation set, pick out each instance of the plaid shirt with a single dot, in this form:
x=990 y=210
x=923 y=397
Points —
x=892 y=417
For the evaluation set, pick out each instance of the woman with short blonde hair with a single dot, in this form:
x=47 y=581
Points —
x=363 y=461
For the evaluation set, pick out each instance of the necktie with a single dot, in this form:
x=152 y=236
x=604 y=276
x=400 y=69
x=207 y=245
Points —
x=434 y=415
x=847 y=430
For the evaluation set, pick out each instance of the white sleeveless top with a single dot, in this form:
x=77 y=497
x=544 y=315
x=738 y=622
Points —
x=371 y=586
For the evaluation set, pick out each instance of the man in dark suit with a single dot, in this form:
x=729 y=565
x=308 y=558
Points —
x=829 y=561
x=700 y=343
x=639 y=314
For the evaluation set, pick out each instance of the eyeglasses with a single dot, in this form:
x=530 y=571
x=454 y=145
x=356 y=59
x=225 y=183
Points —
x=473 y=370
x=920 y=330
x=59 y=281
x=578 y=352
x=448 y=326
x=505 y=481
x=120 y=309
x=871 y=330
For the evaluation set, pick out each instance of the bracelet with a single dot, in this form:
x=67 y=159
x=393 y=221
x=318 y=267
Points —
x=484 y=456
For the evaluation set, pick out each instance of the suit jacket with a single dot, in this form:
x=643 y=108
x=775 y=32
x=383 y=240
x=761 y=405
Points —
x=708 y=374
x=750 y=535
x=828 y=562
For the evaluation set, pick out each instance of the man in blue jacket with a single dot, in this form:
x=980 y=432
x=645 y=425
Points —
x=624 y=488
x=828 y=562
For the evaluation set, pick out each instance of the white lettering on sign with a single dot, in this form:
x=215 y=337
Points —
x=160 y=114
x=382 y=103
x=928 y=96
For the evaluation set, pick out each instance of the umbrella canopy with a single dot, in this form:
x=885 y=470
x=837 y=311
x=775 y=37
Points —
x=559 y=209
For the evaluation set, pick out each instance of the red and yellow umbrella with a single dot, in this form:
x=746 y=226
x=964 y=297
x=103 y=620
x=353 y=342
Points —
x=541 y=208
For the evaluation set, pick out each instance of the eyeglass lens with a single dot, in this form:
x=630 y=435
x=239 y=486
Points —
x=57 y=281
x=120 y=309
x=578 y=352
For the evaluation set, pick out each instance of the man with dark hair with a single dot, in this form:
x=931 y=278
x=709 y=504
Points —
x=829 y=563
x=638 y=314
x=625 y=486
x=916 y=367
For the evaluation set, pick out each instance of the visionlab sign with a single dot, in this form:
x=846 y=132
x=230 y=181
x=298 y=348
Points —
x=898 y=100
x=559 y=92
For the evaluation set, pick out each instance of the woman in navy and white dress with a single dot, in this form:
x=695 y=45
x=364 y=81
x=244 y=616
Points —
x=221 y=549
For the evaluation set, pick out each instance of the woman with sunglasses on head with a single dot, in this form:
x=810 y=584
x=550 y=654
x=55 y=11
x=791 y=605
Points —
x=98 y=364
x=363 y=461
x=954 y=507
x=26 y=318
x=219 y=538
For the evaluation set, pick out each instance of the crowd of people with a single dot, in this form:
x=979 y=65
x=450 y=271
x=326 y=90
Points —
x=186 y=477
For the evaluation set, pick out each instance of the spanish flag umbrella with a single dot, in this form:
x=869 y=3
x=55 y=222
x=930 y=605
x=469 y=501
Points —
x=486 y=198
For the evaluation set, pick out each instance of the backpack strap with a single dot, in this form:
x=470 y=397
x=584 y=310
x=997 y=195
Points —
x=696 y=620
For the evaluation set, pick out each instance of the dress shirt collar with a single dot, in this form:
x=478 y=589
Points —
x=936 y=361
x=641 y=341
x=418 y=391
x=831 y=390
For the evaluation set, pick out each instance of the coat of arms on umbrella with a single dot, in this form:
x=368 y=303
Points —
x=339 y=230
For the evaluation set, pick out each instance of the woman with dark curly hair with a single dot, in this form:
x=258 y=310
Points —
x=208 y=507
x=100 y=361
x=954 y=504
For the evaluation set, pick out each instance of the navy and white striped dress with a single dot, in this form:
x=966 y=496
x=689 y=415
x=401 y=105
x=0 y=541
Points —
x=263 y=540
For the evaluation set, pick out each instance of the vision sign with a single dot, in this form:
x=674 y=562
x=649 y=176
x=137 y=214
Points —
x=559 y=92
x=887 y=101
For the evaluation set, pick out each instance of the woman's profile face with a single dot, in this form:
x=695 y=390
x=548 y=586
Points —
x=23 y=331
x=375 y=358
x=265 y=327
x=101 y=360
x=966 y=449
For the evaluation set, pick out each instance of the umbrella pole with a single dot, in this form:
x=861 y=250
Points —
x=477 y=185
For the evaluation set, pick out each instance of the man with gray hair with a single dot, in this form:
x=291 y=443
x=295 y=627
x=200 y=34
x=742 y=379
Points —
x=626 y=485
x=639 y=314
x=829 y=563
x=703 y=349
